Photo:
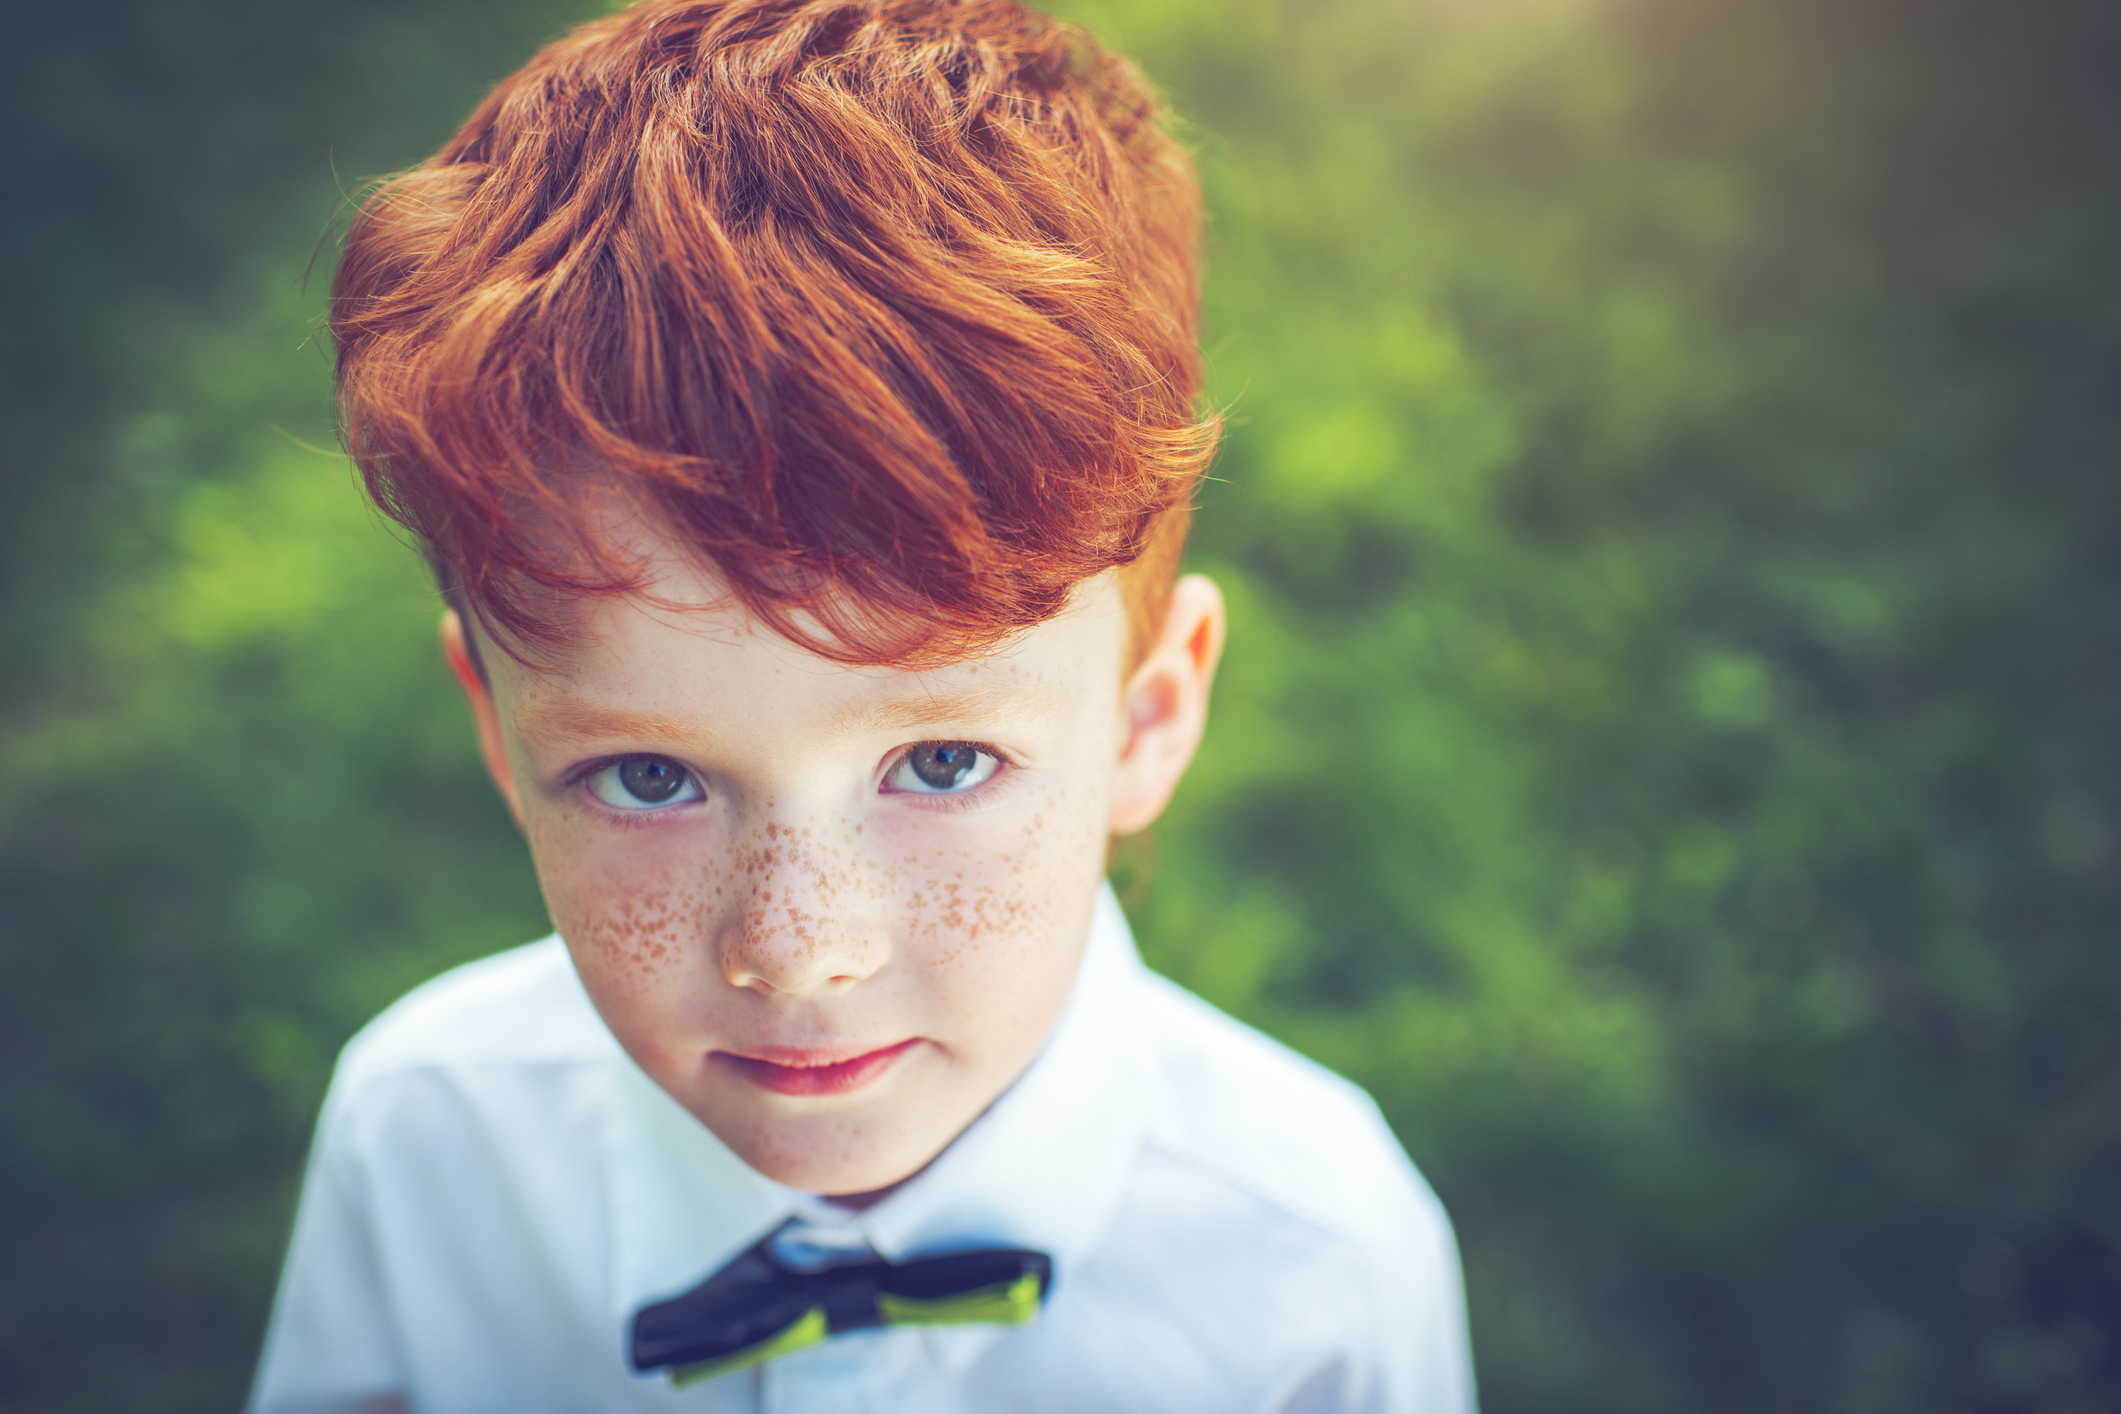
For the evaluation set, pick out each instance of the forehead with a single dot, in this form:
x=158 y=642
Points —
x=684 y=657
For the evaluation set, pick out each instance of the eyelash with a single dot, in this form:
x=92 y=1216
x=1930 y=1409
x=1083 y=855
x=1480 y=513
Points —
x=578 y=780
x=950 y=800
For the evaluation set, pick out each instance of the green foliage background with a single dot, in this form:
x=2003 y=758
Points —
x=1665 y=751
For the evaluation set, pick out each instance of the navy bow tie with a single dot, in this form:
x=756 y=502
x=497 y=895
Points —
x=759 y=1307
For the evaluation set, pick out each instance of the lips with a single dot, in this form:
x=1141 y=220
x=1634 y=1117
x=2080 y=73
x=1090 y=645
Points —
x=787 y=1071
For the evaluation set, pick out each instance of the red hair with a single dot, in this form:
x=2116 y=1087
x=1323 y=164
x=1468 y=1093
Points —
x=888 y=308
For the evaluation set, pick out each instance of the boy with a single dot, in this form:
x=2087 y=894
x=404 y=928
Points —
x=797 y=401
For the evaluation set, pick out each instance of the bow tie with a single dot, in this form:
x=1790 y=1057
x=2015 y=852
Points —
x=760 y=1307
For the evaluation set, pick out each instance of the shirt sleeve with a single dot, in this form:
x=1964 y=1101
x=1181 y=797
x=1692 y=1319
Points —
x=1424 y=1356
x=330 y=1348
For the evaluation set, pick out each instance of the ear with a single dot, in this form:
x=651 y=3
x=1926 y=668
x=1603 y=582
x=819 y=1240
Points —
x=1166 y=702
x=485 y=717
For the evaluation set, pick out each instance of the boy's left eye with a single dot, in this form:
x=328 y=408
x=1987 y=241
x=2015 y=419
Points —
x=643 y=783
x=942 y=768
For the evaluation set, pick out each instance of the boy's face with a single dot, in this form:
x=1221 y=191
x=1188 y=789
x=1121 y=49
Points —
x=833 y=911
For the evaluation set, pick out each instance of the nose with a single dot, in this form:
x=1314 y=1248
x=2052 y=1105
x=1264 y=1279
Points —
x=808 y=921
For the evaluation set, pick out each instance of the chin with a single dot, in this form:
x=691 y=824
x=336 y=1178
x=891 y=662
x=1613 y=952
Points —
x=833 y=1155
x=837 y=1175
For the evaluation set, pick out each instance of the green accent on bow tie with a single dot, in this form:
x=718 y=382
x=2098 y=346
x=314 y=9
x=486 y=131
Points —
x=809 y=1329
x=1004 y=1303
x=1009 y=1304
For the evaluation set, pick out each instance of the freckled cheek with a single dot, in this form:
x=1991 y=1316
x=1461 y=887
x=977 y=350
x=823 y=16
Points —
x=994 y=921
x=633 y=912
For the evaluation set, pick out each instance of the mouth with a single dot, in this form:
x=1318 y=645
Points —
x=789 y=1071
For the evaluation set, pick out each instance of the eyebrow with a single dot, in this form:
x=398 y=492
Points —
x=978 y=707
x=974 y=707
x=559 y=721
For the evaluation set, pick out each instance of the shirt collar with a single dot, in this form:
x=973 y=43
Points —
x=1044 y=1167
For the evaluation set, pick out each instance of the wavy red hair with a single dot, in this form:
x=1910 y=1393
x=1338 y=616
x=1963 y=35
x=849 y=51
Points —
x=886 y=307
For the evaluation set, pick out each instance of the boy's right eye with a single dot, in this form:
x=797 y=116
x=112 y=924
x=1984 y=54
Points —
x=643 y=783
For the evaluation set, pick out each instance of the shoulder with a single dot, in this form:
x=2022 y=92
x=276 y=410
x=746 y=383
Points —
x=1243 y=1110
x=522 y=1007
x=1330 y=1257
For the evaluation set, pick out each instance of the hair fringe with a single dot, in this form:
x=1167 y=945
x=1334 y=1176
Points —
x=888 y=308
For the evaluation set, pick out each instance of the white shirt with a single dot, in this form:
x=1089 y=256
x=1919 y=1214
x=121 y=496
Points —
x=496 y=1189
